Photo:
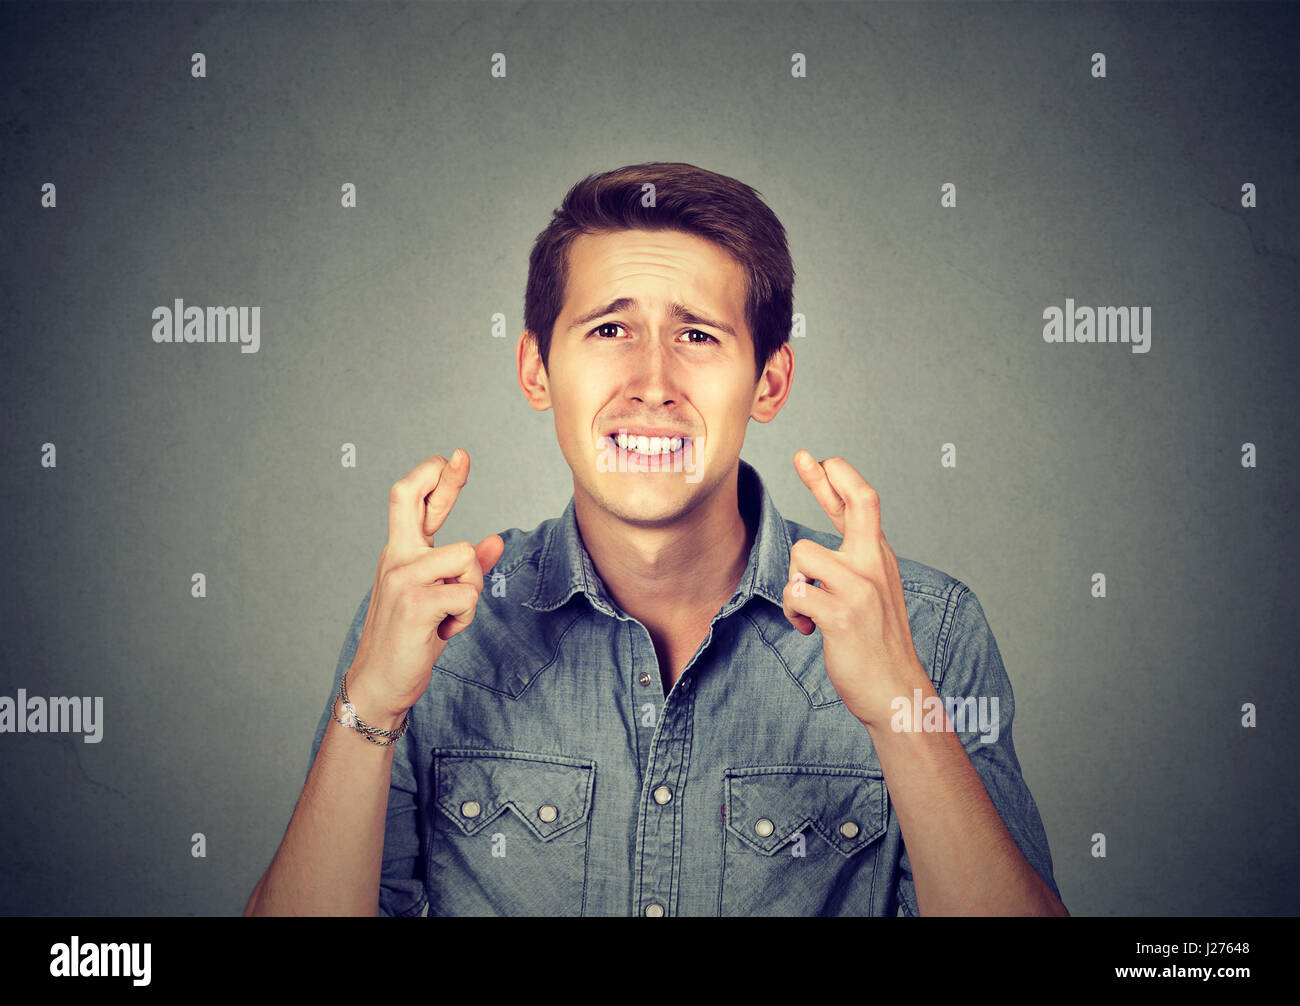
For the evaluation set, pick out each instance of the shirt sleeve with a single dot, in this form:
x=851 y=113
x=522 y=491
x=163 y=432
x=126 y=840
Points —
x=974 y=669
x=401 y=883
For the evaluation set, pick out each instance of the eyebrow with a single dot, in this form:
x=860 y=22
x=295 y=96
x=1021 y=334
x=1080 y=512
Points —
x=680 y=312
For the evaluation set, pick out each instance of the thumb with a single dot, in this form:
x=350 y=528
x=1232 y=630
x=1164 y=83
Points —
x=489 y=550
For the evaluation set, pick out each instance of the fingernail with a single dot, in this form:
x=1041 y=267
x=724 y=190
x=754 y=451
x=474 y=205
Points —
x=457 y=456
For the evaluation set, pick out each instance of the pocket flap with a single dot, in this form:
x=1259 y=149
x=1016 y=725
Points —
x=549 y=793
x=767 y=806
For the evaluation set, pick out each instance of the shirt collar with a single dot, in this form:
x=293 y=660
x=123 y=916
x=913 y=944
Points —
x=565 y=566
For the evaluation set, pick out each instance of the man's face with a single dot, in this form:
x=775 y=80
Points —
x=642 y=344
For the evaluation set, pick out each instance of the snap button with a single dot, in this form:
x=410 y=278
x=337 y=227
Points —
x=470 y=808
x=654 y=909
x=663 y=794
x=547 y=813
x=848 y=829
x=764 y=827
x=643 y=678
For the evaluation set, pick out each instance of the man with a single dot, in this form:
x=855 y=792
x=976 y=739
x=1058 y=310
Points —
x=671 y=700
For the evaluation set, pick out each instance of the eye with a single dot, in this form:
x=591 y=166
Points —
x=707 y=338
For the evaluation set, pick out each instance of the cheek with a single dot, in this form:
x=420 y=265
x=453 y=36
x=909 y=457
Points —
x=574 y=410
x=730 y=417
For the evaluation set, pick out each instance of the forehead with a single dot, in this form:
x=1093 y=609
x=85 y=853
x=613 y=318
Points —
x=651 y=264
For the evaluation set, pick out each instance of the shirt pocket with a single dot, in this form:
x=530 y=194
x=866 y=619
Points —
x=800 y=839
x=509 y=833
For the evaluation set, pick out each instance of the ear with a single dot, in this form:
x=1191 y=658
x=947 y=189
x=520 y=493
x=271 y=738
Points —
x=773 y=386
x=532 y=374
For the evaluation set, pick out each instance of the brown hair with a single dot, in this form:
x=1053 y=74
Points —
x=711 y=206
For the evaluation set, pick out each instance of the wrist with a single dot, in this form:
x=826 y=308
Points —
x=369 y=703
x=907 y=684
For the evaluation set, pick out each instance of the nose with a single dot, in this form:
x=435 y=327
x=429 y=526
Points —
x=651 y=379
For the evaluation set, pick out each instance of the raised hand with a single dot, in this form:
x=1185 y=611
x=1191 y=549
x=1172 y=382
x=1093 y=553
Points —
x=422 y=595
x=858 y=603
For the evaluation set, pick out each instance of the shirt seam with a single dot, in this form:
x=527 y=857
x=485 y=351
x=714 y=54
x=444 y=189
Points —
x=943 y=642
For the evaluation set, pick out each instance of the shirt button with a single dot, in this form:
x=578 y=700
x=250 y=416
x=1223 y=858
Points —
x=547 y=813
x=654 y=909
x=663 y=794
x=470 y=809
x=764 y=827
x=643 y=678
x=848 y=829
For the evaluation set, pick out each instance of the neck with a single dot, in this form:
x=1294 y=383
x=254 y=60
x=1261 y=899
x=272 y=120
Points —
x=686 y=570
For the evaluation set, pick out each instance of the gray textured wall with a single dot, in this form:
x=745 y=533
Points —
x=924 y=327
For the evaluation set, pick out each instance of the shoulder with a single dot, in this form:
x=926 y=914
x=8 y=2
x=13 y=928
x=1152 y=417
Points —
x=943 y=613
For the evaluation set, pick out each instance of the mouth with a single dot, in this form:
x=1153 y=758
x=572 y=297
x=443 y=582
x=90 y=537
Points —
x=646 y=443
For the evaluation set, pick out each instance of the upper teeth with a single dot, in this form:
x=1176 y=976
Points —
x=648 y=445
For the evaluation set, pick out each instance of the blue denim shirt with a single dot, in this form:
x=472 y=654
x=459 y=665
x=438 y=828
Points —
x=546 y=773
